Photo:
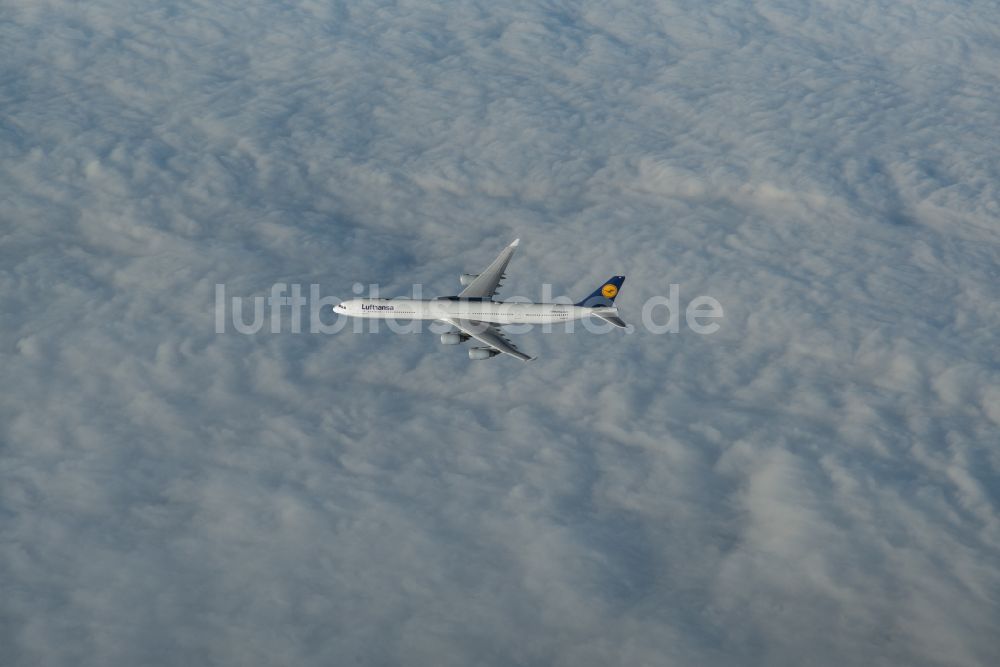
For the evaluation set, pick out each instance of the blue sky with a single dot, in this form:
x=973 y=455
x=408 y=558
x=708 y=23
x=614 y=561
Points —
x=815 y=483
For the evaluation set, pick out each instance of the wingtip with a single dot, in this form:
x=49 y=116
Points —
x=515 y=243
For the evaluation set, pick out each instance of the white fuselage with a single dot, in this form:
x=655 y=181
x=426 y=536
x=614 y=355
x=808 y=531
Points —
x=449 y=308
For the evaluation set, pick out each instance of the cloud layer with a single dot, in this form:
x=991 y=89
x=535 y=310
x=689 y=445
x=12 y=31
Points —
x=816 y=483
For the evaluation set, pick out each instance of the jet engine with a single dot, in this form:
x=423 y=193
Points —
x=467 y=278
x=482 y=353
x=452 y=338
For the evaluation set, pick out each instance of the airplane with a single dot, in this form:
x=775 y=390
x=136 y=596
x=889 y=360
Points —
x=475 y=314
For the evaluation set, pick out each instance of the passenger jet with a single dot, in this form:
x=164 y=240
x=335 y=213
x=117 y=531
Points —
x=475 y=314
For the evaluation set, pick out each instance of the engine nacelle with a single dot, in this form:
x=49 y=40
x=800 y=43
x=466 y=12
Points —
x=467 y=278
x=482 y=353
x=452 y=338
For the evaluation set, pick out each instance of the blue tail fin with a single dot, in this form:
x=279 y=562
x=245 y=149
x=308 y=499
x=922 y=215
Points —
x=605 y=294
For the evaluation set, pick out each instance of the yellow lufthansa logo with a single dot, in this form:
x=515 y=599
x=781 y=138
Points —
x=609 y=291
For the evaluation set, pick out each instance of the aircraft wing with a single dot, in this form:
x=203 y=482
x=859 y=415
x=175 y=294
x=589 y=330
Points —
x=485 y=285
x=490 y=335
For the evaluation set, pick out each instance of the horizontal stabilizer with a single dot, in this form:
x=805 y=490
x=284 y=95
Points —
x=613 y=318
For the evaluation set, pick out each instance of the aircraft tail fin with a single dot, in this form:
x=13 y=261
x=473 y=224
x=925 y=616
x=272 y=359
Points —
x=605 y=294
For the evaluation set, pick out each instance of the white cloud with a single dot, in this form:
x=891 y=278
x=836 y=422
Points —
x=815 y=483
